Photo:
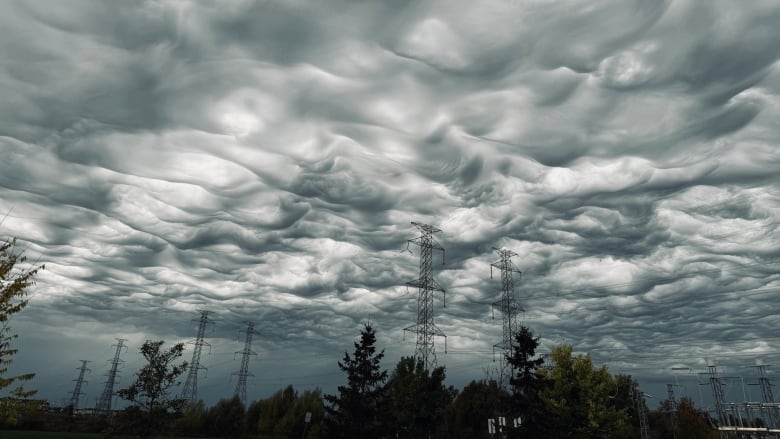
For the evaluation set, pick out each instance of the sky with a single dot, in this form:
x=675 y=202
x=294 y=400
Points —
x=264 y=160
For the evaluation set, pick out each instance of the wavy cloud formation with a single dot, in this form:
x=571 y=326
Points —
x=263 y=160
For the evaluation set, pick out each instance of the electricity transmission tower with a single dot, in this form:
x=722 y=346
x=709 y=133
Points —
x=426 y=285
x=244 y=372
x=644 y=426
x=104 y=403
x=508 y=307
x=74 y=397
x=672 y=409
x=767 y=395
x=716 y=384
x=190 y=392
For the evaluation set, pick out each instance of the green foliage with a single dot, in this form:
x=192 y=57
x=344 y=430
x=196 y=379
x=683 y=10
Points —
x=284 y=413
x=225 y=418
x=192 y=419
x=579 y=401
x=467 y=415
x=417 y=399
x=692 y=422
x=152 y=406
x=355 y=411
x=14 y=284
x=273 y=409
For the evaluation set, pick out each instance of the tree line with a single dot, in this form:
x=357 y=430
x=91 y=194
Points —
x=564 y=397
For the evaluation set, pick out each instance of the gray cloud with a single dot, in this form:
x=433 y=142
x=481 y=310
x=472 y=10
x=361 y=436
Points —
x=263 y=160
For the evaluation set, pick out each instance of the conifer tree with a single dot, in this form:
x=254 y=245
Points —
x=526 y=383
x=355 y=411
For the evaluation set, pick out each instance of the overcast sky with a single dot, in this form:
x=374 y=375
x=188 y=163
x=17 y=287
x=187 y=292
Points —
x=264 y=159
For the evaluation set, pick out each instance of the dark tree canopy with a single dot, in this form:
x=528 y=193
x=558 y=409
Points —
x=526 y=384
x=355 y=410
x=417 y=399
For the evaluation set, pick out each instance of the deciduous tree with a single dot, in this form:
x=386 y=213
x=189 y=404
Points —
x=14 y=283
x=152 y=405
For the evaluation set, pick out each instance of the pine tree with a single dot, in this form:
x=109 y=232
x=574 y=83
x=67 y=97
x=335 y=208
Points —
x=526 y=384
x=355 y=411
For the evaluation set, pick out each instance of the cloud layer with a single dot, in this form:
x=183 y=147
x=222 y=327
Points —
x=263 y=160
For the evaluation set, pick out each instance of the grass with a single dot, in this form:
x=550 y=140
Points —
x=14 y=434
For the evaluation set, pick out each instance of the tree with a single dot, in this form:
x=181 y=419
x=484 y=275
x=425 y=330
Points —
x=14 y=284
x=526 y=383
x=152 y=406
x=579 y=399
x=692 y=423
x=225 y=418
x=467 y=415
x=355 y=411
x=417 y=399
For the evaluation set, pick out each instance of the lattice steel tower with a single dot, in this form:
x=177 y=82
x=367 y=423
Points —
x=74 y=397
x=508 y=307
x=244 y=372
x=426 y=285
x=716 y=384
x=104 y=402
x=672 y=410
x=767 y=395
x=644 y=426
x=190 y=392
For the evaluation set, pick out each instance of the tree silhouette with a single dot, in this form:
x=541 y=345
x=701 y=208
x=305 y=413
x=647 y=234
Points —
x=355 y=411
x=526 y=384
x=149 y=393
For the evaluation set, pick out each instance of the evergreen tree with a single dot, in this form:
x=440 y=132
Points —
x=526 y=384
x=355 y=411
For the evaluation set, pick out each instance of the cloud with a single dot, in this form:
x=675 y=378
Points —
x=263 y=160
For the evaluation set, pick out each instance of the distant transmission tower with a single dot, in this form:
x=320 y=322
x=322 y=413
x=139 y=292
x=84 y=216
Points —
x=74 y=397
x=244 y=372
x=426 y=286
x=508 y=307
x=190 y=392
x=672 y=410
x=644 y=426
x=104 y=403
x=767 y=395
x=716 y=384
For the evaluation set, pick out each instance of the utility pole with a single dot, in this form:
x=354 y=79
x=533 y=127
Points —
x=508 y=307
x=190 y=392
x=244 y=372
x=74 y=397
x=425 y=328
x=104 y=402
